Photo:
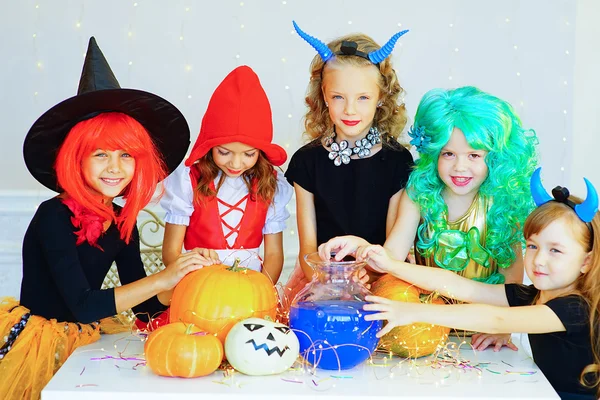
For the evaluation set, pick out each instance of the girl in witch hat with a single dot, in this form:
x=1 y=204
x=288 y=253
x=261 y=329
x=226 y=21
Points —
x=102 y=143
x=348 y=179
x=560 y=311
x=228 y=198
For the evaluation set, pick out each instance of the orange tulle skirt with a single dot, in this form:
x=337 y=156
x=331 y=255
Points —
x=40 y=349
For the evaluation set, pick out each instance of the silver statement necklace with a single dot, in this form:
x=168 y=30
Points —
x=341 y=152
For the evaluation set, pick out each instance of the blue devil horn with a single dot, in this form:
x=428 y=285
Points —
x=319 y=46
x=540 y=196
x=378 y=56
x=589 y=207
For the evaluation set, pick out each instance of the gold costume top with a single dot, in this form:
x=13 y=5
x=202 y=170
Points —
x=461 y=247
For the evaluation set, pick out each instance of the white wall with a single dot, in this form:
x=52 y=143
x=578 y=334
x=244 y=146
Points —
x=541 y=55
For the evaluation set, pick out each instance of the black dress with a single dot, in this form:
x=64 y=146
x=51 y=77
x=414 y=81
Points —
x=561 y=356
x=351 y=199
x=62 y=280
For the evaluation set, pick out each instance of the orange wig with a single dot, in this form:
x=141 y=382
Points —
x=111 y=131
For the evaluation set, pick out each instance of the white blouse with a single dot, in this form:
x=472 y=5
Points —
x=178 y=205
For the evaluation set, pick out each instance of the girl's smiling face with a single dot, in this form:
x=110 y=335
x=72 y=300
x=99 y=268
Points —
x=554 y=259
x=234 y=158
x=461 y=167
x=352 y=94
x=108 y=172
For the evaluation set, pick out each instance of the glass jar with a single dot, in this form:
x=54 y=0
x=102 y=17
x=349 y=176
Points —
x=328 y=318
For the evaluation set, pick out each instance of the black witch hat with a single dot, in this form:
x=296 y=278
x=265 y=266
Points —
x=99 y=91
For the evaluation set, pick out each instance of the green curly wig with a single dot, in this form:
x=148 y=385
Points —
x=490 y=124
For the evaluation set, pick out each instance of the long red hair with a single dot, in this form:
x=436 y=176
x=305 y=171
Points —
x=111 y=131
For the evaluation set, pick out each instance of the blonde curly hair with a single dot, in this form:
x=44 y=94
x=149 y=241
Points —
x=390 y=118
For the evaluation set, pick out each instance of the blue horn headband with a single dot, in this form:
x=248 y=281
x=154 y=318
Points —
x=349 y=48
x=585 y=211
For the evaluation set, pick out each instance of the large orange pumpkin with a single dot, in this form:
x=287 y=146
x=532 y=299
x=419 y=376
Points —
x=415 y=340
x=182 y=350
x=215 y=298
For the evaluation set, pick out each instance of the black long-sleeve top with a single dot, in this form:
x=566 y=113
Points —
x=62 y=280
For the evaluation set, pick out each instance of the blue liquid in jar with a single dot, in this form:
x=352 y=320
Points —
x=331 y=323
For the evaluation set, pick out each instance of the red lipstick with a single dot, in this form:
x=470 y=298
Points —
x=461 y=180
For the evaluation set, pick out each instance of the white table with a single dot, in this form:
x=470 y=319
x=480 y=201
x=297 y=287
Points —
x=84 y=378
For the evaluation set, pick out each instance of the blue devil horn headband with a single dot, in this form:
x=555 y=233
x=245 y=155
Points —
x=585 y=211
x=350 y=48
x=319 y=46
x=378 y=56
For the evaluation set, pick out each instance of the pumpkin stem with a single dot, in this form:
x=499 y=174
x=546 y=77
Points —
x=235 y=267
x=188 y=330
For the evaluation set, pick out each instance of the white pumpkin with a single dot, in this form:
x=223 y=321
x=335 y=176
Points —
x=257 y=346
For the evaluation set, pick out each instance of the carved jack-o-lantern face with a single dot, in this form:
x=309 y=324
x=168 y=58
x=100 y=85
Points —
x=256 y=346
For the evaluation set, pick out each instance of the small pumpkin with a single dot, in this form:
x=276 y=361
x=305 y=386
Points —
x=182 y=350
x=414 y=340
x=216 y=297
x=257 y=346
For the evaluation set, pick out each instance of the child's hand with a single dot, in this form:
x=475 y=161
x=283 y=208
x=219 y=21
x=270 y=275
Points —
x=363 y=277
x=397 y=313
x=183 y=265
x=209 y=254
x=481 y=341
x=376 y=257
x=342 y=246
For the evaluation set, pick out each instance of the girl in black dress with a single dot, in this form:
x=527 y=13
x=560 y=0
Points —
x=348 y=179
